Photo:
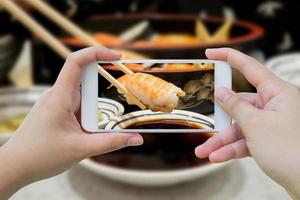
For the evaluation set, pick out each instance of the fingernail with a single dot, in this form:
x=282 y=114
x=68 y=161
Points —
x=199 y=153
x=117 y=53
x=223 y=94
x=207 y=51
x=135 y=141
x=210 y=49
x=213 y=49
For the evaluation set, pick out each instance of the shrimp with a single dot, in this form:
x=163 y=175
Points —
x=155 y=93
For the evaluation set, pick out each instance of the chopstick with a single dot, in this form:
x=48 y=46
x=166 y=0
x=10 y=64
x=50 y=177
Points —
x=36 y=28
x=134 y=31
x=56 y=45
x=70 y=27
x=120 y=87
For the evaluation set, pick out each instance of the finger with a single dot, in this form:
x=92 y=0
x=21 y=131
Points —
x=258 y=75
x=251 y=98
x=100 y=143
x=227 y=136
x=239 y=109
x=70 y=75
x=238 y=149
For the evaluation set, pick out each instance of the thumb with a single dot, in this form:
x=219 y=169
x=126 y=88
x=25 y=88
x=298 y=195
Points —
x=100 y=143
x=238 y=108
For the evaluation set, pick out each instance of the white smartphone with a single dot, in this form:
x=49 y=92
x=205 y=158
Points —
x=104 y=109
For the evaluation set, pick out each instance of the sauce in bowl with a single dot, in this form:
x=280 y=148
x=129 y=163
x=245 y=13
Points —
x=160 y=151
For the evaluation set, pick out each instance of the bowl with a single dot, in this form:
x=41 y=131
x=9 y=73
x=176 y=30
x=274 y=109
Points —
x=15 y=103
x=156 y=163
x=286 y=67
x=245 y=36
x=108 y=110
x=242 y=32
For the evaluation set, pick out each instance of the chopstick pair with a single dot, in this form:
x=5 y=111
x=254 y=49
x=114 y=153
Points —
x=56 y=45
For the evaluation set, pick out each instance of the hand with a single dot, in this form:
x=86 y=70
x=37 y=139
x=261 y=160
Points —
x=51 y=139
x=267 y=123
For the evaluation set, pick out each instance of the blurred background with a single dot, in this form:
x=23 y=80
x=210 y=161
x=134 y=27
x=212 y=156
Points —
x=142 y=29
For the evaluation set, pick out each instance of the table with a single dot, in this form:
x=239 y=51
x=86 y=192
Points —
x=241 y=180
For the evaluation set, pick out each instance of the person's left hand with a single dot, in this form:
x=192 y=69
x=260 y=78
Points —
x=51 y=139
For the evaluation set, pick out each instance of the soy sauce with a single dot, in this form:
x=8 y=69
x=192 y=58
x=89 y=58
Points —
x=160 y=151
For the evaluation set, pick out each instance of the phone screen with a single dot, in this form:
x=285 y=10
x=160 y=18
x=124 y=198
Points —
x=178 y=97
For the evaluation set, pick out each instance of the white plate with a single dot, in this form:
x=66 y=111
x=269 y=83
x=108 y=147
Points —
x=16 y=100
x=130 y=118
x=154 y=178
x=110 y=109
x=287 y=67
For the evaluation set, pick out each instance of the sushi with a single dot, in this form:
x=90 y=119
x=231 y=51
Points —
x=155 y=93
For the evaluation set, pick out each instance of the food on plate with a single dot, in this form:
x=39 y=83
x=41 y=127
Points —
x=103 y=38
x=185 y=66
x=108 y=39
x=10 y=124
x=155 y=93
x=100 y=116
x=223 y=33
x=171 y=39
x=135 y=66
x=202 y=34
x=130 y=55
x=201 y=37
x=174 y=39
x=167 y=67
x=197 y=91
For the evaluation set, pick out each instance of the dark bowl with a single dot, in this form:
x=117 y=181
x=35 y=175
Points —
x=242 y=32
x=244 y=36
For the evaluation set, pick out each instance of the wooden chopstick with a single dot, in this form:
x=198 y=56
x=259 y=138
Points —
x=55 y=44
x=119 y=86
x=36 y=28
x=70 y=27
x=134 y=31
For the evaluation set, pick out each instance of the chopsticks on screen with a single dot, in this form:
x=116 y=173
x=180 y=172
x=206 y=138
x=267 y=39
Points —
x=57 y=46
x=120 y=87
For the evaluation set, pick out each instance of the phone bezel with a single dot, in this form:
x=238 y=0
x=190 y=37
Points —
x=89 y=98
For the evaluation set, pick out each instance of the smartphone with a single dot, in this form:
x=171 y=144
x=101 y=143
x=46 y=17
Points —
x=105 y=109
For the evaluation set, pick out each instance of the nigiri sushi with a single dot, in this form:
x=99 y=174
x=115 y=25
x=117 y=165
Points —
x=155 y=93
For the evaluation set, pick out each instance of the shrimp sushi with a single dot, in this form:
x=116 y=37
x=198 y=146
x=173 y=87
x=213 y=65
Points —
x=155 y=93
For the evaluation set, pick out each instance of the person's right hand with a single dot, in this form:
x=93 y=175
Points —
x=267 y=122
